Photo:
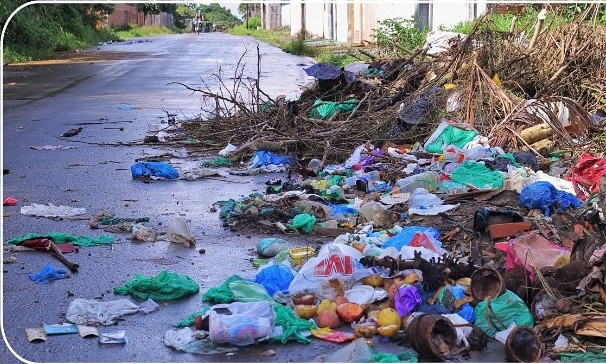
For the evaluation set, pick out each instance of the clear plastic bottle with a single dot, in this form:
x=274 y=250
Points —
x=428 y=180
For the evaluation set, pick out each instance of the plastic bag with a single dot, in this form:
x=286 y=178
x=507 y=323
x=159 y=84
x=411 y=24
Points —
x=246 y=291
x=154 y=169
x=165 y=286
x=87 y=312
x=422 y=202
x=178 y=232
x=325 y=109
x=221 y=294
x=447 y=134
x=275 y=278
x=477 y=175
x=47 y=274
x=331 y=263
x=177 y=339
x=406 y=235
x=303 y=221
x=543 y=195
x=36 y=209
x=270 y=247
x=290 y=325
x=263 y=158
x=532 y=250
x=357 y=351
x=227 y=150
x=586 y=175
x=241 y=324
x=407 y=299
x=498 y=313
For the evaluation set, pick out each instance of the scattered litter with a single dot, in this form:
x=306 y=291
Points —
x=59 y=329
x=52 y=147
x=9 y=201
x=35 y=333
x=149 y=306
x=48 y=274
x=86 y=331
x=92 y=312
x=178 y=232
x=164 y=286
x=113 y=337
x=72 y=132
x=53 y=211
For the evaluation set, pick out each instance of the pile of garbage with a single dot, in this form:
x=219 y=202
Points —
x=462 y=189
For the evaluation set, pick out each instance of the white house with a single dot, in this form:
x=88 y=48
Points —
x=353 y=21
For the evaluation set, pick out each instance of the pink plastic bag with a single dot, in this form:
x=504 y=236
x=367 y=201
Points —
x=533 y=251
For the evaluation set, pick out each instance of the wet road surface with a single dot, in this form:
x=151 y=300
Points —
x=44 y=100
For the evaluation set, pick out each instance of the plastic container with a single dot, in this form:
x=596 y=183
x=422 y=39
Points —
x=428 y=180
x=300 y=256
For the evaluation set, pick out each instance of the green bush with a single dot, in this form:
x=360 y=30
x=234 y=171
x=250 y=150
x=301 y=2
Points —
x=254 y=22
x=298 y=47
x=394 y=37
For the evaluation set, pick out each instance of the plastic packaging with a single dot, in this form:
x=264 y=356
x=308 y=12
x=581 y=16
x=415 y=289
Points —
x=241 y=324
x=178 y=232
x=477 y=175
x=407 y=299
x=51 y=210
x=154 y=169
x=47 y=274
x=86 y=312
x=376 y=213
x=543 y=195
x=140 y=232
x=447 y=134
x=264 y=158
x=165 y=286
x=357 y=351
x=275 y=278
x=422 y=202
x=428 y=180
x=270 y=247
x=498 y=313
x=227 y=150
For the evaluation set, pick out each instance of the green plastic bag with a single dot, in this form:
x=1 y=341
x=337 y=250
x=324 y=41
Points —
x=165 y=286
x=477 y=175
x=498 y=313
x=61 y=238
x=292 y=325
x=588 y=357
x=221 y=294
x=246 y=291
x=303 y=221
x=326 y=109
x=403 y=357
x=446 y=134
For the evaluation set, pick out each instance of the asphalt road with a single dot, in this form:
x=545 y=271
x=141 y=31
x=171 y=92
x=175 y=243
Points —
x=95 y=90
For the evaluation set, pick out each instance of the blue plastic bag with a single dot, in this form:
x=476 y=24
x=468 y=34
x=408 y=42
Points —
x=404 y=237
x=264 y=158
x=275 y=278
x=543 y=195
x=155 y=169
x=340 y=211
x=47 y=274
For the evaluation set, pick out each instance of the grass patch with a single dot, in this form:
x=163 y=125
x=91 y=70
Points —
x=277 y=37
x=133 y=31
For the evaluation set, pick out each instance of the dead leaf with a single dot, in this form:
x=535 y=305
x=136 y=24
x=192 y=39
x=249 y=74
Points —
x=268 y=352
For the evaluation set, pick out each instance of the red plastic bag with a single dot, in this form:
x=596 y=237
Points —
x=586 y=174
x=10 y=201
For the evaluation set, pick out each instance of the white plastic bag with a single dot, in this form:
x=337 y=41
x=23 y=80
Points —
x=422 y=202
x=227 y=150
x=83 y=312
x=334 y=261
x=241 y=323
x=36 y=209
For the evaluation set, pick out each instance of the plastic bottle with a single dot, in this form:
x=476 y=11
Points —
x=428 y=180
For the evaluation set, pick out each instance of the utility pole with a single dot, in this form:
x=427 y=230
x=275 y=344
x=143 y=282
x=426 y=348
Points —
x=247 y=15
